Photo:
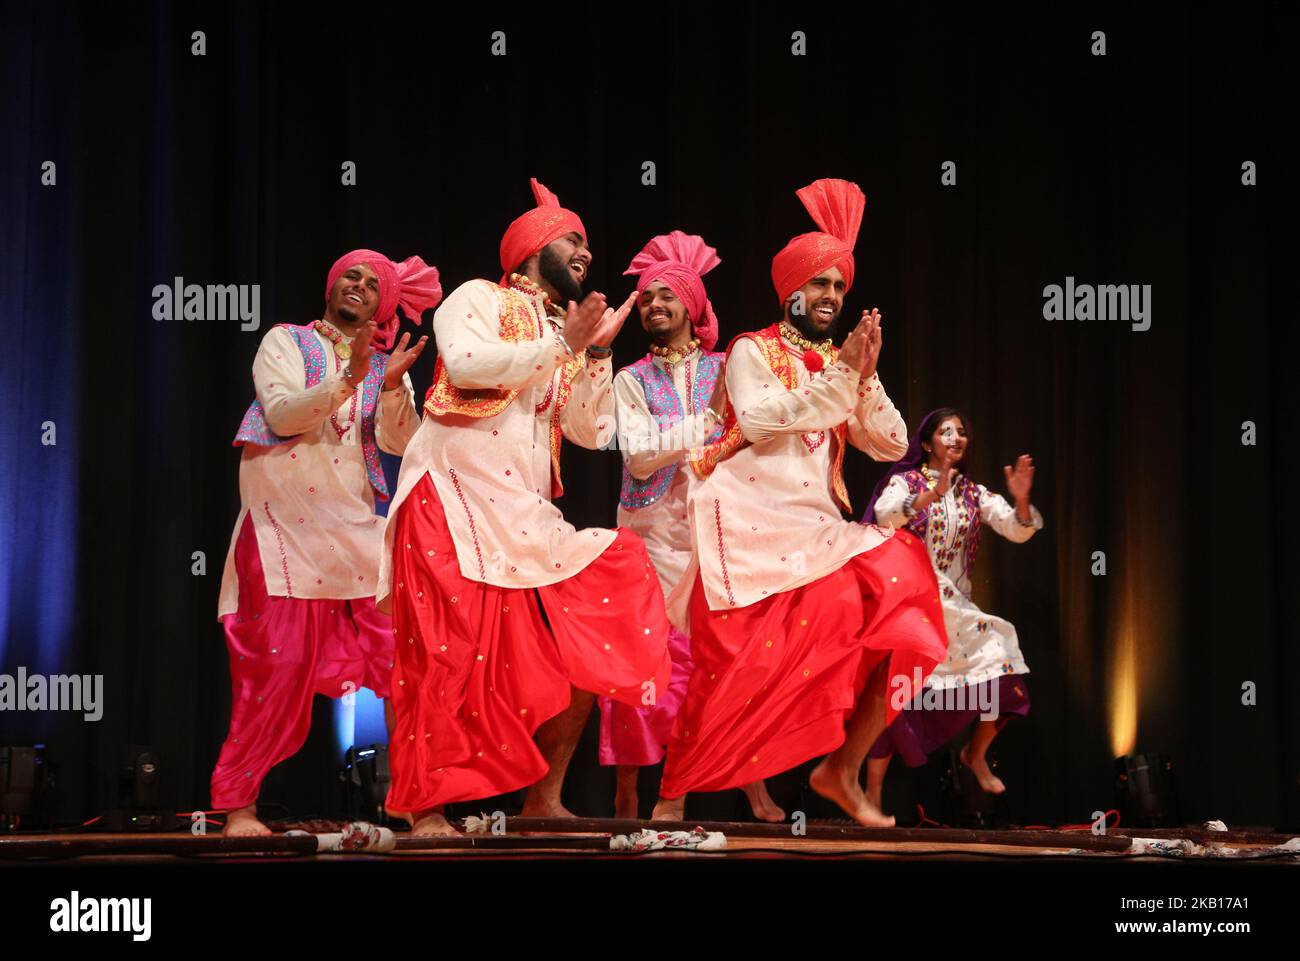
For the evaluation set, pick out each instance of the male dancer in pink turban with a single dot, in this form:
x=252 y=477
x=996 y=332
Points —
x=669 y=404
x=508 y=619
x=297 y=596
x=799 y=618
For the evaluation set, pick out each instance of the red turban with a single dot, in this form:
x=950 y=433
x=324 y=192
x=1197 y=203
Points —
x=680 y=260
x=531 y=231
x=836 y=206
x=412 y=284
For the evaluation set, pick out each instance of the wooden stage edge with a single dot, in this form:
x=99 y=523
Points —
x=541 y=838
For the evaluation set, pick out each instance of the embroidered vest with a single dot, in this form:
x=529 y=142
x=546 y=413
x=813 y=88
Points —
x=931 y=526
x=778 y=359
x=666 y=410
x=518 y=323
x=255 y=430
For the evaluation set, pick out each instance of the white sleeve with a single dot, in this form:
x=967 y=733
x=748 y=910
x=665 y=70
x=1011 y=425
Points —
x=894 y=502
x=765 y=408
x=588 y=418
x=466 y=328
x=290 y=407
x=645 y=447
x=876 y=427
x=396 y=418
x=998 y=514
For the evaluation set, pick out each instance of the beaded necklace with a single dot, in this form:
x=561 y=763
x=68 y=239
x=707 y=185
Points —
x=525 y=286
x=675 y=355
x=341 y=347
x=342 y=351
x=822 y=347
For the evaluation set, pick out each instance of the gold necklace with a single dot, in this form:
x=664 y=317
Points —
x=525 y=286
x=822 y=347
x=341 y=347
x=675 y=355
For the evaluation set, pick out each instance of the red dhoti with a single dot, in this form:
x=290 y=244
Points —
x=283 y=651
x=480 y=667
x=775 y=682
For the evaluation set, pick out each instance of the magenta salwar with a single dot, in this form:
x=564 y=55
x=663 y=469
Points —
x=638 y=736
x=284 y=651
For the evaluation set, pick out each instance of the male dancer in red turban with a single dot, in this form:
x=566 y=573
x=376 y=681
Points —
x=669 y=402
x=799 y=619
x=297 y=596
x=508 y=619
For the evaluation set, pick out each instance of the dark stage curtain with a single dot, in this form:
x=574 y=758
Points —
x=225 y=168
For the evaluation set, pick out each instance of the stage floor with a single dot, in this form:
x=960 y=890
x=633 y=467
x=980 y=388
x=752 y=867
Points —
x=589 y=838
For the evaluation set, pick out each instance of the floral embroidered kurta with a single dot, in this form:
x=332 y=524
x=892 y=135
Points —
x=494 y=473
x=664 y=525
x=980 y=646
x=765 y=521
x=310 y=499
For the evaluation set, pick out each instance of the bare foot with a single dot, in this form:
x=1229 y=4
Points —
x=989 y=781
x=544 y=808
x=243 y=823
x=839 y=786
x=669 y=809
x=432 y=824
x=761 y=803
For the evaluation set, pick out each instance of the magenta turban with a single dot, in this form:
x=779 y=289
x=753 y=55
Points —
x=412 y=284
x=680 y=261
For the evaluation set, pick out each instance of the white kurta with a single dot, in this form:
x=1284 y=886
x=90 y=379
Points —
x=493 y=474
x=310 y=499
x=980 y=646
x=664 y=525
x=764 y=521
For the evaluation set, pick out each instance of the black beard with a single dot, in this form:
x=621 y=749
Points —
x=803 y=323
x=555 y=271
x=347 y=313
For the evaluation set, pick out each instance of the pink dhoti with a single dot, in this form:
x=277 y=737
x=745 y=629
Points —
x=283 y=651
x=638 y=736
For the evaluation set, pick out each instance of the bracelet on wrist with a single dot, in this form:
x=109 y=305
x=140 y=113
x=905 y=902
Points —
x=599 y=353
x=567 y=349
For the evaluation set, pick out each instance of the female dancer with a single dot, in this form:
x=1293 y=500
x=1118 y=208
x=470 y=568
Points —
x=929 y=494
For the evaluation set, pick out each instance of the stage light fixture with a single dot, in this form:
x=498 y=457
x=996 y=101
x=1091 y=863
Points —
x=966 y=803
x=1146 y=790
x=139 y=792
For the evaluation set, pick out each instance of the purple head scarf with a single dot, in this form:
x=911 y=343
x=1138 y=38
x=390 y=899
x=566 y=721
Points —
x=915 y=456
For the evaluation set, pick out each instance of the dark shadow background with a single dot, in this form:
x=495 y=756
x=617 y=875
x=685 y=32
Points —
x=225 y=169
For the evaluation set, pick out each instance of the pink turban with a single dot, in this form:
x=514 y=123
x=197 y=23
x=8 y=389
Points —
x=533 y=230
x=412 y=284
x=680 y=261
x=836 y=206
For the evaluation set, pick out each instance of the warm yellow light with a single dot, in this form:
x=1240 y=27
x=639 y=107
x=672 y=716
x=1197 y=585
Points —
x=1122 y=688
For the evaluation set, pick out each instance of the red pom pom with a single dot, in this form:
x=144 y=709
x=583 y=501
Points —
x=813 y=361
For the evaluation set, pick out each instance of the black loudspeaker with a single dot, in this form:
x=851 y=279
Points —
x=365 y=783
x=23 y=776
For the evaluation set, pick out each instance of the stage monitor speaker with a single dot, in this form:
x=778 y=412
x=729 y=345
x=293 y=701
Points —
x=365 y=781
x=23 y=777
